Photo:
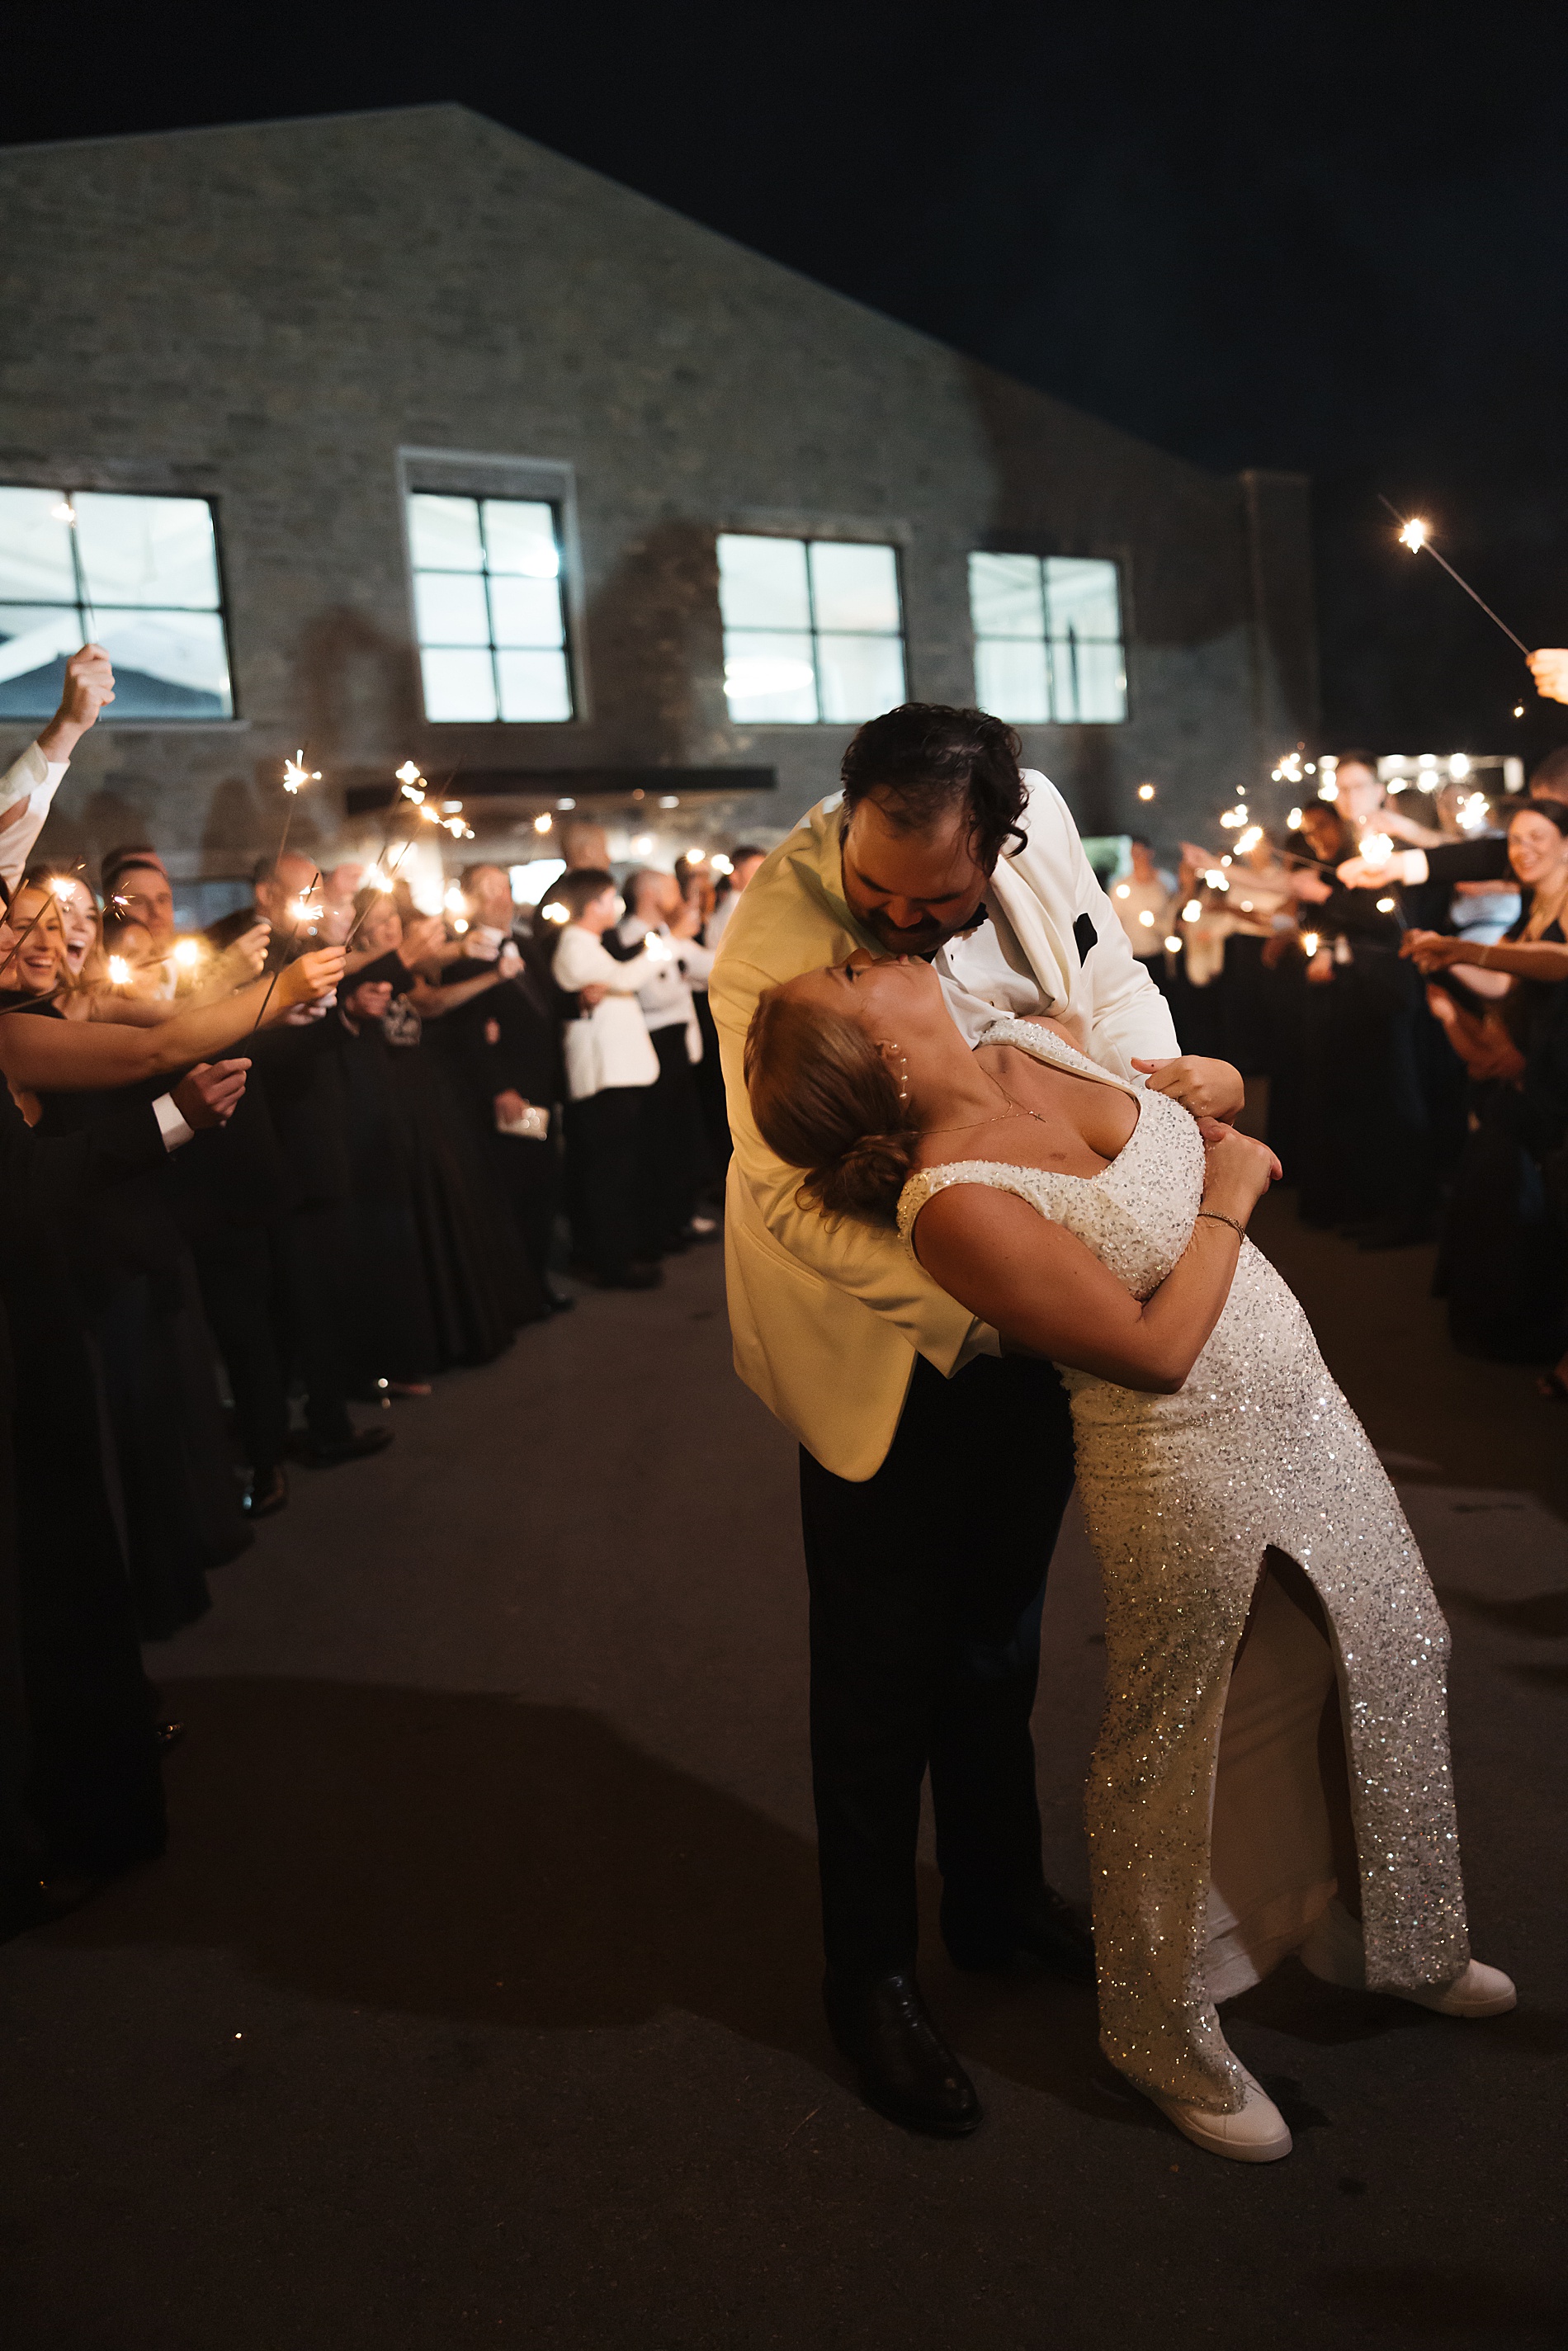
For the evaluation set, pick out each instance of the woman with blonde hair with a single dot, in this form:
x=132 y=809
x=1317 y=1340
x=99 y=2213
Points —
x=1261 y=1585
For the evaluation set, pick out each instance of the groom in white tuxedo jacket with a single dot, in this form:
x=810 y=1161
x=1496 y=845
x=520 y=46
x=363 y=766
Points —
x=934 y=1468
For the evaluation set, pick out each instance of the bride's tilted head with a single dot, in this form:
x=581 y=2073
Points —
x=833 y=1061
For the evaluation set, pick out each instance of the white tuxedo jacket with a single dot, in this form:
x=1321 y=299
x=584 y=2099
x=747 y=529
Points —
x=827 y=1319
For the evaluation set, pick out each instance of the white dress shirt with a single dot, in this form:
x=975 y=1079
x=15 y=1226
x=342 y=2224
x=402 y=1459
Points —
x=609 y=1046
x=985 y=977
x=666 y=998
x=33 y=780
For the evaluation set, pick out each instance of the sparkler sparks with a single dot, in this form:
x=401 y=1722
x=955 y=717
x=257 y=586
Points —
x=1417 y=535
x=187 y=953
x=297 y=774
x=1377 y=848
x=119 y=972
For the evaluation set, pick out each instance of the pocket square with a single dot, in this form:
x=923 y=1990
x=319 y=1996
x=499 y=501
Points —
x=1084 y=935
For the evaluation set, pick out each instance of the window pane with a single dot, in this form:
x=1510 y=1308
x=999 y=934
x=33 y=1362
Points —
x=1101 y=684
x=855 y=587
x=762 y=583
x=35 y=548
x=137 y=550
x=519 y=536
x=34 y=643
x=1011 y=681
x=526 y=611
x=861 y=676
x=458 y=685
x=443 y=533
x=451 y=610
x=534 y=685
x=167 y=664
x=1083 y=597
x=1006 y=597
x=768 y=679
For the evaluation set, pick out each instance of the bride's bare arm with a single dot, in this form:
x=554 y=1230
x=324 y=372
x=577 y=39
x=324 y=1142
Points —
x=1049 y=1295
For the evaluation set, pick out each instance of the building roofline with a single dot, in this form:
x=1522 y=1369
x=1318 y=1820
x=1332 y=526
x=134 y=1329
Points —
x=367 y=114
x=260 y=123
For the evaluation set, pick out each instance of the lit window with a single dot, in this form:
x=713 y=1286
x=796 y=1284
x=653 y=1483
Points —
x=488 y=610
x=138 y=575
x=1048 y=639
x=812 y=631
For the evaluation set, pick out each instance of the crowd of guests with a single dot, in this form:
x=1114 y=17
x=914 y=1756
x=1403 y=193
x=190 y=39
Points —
x=1398 y=973
x=267 y=1181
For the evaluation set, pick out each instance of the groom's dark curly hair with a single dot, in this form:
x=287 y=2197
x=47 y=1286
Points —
x=925 y=758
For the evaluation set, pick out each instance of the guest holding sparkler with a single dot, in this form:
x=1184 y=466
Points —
x=677 y=1157
x=29 y=784
x=480 y=1285
x=503 y=1056
x=611 y=1063
x=1503 y=1266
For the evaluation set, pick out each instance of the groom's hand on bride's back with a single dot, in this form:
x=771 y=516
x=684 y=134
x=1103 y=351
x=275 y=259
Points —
x=1208 y=1089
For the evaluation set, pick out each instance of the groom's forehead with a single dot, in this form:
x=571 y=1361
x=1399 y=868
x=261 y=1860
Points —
x=927 y=862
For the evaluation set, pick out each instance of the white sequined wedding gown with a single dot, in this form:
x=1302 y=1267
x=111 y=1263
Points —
x=1207 y=1820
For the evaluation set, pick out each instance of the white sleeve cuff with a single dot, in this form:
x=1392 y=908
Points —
x=171 y=1125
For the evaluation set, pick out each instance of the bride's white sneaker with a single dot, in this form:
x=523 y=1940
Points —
x=1334 y=1953
x=1478 y=1991
x=1257 y=2133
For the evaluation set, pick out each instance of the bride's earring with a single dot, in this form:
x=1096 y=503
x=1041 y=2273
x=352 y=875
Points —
x=895 y=1053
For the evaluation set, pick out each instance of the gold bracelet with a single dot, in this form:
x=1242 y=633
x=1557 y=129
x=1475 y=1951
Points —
x=1215 y=1218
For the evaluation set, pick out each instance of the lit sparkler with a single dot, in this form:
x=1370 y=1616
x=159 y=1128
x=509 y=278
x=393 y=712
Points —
x=1417 y=535
x=296 y=776
x=66 y=512
x=302 y=901
x=119 y=972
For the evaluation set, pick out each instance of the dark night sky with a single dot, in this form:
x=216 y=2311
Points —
x=1327 y=238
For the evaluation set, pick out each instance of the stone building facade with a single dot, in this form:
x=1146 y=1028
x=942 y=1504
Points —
x=297 y=320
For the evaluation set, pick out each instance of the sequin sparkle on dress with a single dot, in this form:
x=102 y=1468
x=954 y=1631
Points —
x=1210 y=1851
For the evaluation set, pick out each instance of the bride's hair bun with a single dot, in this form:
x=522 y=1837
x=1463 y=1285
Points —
x=824 y=1100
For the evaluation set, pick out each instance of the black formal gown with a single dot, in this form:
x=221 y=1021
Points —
x=509 y=1039
x=481 y=1286
x=1503 y=1263
x=175 y=1464
x=80 y=1786
x=390 y=1330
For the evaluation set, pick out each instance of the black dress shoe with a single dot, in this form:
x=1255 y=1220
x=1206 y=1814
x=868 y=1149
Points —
x=1049 y=1936
x=357 y=1446
x=558 y=1302
x=266 y=1493
x=906 y=2069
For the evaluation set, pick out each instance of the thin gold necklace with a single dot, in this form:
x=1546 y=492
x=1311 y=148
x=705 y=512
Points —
x=1014 y=1109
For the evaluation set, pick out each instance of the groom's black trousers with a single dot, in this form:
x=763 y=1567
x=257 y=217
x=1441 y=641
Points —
x=927 y=1585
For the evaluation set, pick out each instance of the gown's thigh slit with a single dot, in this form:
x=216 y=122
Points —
x=1282 y=1841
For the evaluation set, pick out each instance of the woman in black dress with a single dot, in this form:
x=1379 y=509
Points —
x=1503 y=1265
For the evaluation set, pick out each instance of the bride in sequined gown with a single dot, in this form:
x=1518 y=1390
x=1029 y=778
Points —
x=1218 y=1819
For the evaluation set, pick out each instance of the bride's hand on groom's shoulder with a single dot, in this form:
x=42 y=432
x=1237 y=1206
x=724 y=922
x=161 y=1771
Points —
x=1208 y=1089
